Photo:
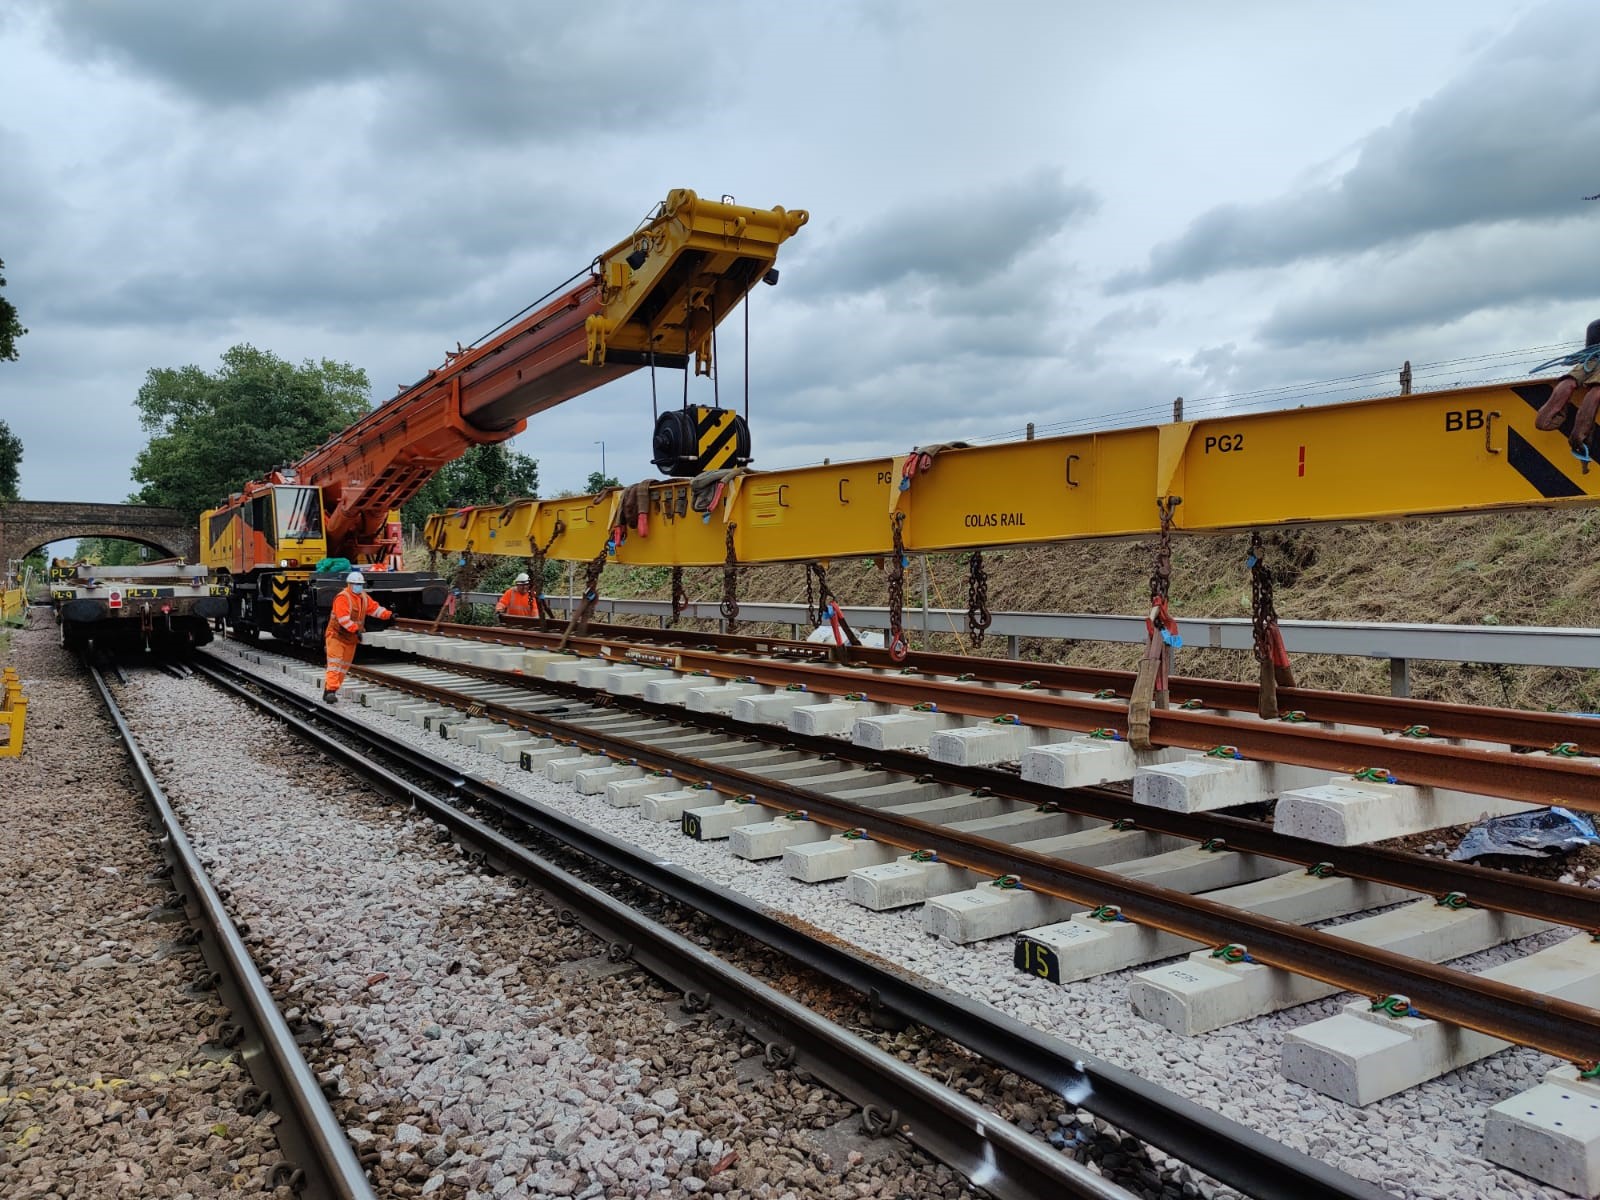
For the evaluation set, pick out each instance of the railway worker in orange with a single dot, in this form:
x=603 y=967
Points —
x=516 y=600
x=351 y=608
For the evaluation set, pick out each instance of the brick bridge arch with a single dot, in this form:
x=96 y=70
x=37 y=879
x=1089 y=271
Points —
x=28 y=525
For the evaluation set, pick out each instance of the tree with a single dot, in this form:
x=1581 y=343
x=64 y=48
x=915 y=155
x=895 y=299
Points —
x=10 y=463
x=491 y=474
x=111 y=552
x=599 y=482
x=212 y=432
x=10 y=325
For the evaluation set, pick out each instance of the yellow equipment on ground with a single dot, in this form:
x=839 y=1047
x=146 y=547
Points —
x=13 y=713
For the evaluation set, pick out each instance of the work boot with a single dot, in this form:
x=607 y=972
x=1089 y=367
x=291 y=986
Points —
x=329 y=697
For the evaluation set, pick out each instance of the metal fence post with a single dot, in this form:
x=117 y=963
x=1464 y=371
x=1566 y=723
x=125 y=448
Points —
x=1400 y=677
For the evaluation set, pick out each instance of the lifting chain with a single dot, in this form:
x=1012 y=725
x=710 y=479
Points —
x=978 y=618
x=730 y=585
x=1161 y=573
x=823 y=607
x=1150 y=684
x=898 y=649
x=536 y=564
x=1267 y=638
x=462 y=580
x=680 y=597
x=579 y=621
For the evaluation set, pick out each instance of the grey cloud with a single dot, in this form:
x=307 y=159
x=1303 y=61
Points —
x=1510 y=139
x=953 y=242
x=472 y=70
x=1443 y=279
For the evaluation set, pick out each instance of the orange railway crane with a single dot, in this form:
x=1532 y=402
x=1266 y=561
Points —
x=654 y=299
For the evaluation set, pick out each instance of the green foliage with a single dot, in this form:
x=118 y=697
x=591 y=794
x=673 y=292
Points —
x=599 y=483
x=211 y=432
x=112 y=552
x=489 y=474
x=10 y=462
x=10 y=325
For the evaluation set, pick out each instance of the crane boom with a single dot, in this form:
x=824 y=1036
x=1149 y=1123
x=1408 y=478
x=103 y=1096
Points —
x=654 y=299
x=658 y=294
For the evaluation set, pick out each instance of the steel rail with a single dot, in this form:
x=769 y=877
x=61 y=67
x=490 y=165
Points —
x=987 y=1149
x=1561 y=1028
x=1234 y=1154
x=1536 y=779
x=1504 y=891
x=1508 y=726
x=319 y=1161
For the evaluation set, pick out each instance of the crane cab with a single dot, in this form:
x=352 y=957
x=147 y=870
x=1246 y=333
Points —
x=266 y=526
x=268 y=541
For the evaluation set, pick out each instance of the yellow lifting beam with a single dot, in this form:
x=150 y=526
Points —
x=1442 y=453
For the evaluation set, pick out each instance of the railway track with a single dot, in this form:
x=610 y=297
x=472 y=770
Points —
x=975 y=688
x=1565 y=1030
x=320 y=1162
x=895 y=1098
x=1510 y=727
x=1231 y=1153
x=620 y=735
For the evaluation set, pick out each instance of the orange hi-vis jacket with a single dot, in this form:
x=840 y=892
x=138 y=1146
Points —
x=515 y=601
x=350 y=613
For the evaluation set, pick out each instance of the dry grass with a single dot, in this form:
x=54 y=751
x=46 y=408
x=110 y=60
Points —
x=1509 y=569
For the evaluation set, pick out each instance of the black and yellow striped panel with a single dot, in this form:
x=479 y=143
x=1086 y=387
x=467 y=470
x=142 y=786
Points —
x=280 y=600
x=716 y=437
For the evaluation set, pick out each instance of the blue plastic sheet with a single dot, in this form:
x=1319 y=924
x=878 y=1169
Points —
x=1540 y=833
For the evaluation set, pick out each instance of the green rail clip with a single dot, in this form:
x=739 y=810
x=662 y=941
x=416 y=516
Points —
x=1375 y=775
x=1233 y=952
x=1395 y=1006
x=1107 y=913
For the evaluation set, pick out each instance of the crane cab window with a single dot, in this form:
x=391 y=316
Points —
x=260 y=514
x=299 y=513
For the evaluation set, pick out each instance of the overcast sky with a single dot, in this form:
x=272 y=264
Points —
x=1056 y=212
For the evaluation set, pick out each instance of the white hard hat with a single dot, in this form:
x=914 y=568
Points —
x=354 y=577
x=522 y=577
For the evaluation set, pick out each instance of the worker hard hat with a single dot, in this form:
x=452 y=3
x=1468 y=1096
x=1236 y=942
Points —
x=354 y=577
x=522 y=577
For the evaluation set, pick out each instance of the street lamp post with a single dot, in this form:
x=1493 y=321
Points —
x=602 y=446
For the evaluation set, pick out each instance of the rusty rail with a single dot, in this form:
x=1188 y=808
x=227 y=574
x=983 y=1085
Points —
x=1561 y=1028
x=1536 y=779
x=1508 y=726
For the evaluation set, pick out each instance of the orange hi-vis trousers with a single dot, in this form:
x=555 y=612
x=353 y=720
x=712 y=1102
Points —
x=341 y=654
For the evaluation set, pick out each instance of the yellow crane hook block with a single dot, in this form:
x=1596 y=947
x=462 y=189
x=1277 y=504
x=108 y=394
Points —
x=13 y=713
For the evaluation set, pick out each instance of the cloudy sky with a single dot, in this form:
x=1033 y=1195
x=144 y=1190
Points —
x=1021 y=211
